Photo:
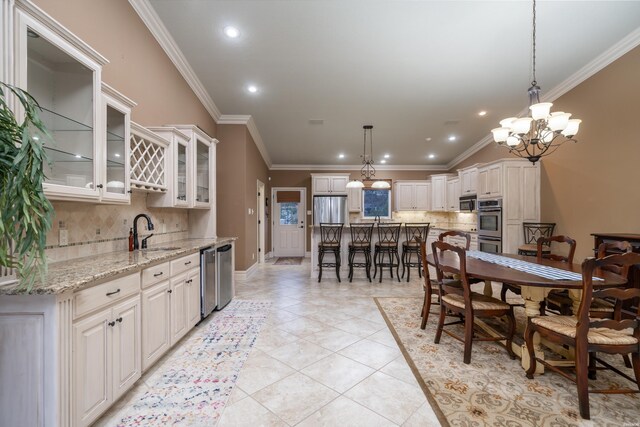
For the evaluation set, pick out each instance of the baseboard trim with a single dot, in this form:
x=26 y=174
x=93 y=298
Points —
x=268 y=255
x=245 y=274
x=307 y=254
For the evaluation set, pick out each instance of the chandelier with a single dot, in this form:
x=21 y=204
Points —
x=543 y=132
x=368 y=171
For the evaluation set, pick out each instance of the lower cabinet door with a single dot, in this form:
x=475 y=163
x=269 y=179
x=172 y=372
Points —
x=156 y=323
x=126 y=346
x=92 y=367
x=193 y=297
x=178 y=307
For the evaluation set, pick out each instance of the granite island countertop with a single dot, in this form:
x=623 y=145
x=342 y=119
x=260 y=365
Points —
x=436 y=227
x=78 y=273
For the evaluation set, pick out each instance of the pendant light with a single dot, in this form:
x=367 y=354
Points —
x=368 y=171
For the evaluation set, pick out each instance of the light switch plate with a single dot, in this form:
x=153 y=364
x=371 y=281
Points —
x=63 y=237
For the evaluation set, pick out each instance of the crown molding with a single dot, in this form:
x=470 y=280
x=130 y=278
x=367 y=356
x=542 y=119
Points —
x=438 y=168
x=235 y=119
x=153 y=22
x=629 y=42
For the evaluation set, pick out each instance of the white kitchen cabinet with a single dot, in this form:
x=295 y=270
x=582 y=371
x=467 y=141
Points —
x=453 y=194
x=63 y=74
x=106 y=358
x=490 y=181
x=202 y=166
x=473 y=246
x=333 y=184
x=468 y=181
x=439 y=192
x=178 y=303
x=193 y=297
x=156 y=323
x=114 y=182
x=179 y=173
x=354 y=199
x=413 y=195
x=149 y=160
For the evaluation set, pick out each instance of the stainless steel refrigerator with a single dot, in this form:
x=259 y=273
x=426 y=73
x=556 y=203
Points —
x=330 y=209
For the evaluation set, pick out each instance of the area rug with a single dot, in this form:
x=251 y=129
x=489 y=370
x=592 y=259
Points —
x=193 y=386
x=493 y=390
x=288 y=260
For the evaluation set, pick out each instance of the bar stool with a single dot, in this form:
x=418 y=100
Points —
x=388 y=236
x=414 y=233
x=360 y=243
x=330 y=240
x=532 y=232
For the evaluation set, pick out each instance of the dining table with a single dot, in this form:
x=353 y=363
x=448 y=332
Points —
x=534 y=288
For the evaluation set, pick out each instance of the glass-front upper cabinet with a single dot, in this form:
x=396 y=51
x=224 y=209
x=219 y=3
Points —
x=178 y=172
x=181 y=170
x=63 y=74
x=114 y=182
x=202 y=172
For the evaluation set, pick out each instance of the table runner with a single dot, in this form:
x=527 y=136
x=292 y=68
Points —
x=547 y=272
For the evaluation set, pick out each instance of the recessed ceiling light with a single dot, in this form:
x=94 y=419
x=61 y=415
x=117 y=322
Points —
x=432 y=156
x=482 y=113
x=383 y=161
x=231 y=32
x=78 y=156
x=252 y=88
x=452 y=138
x=341 y=156
x=36 y=138
x=117 y=154
x=386 y=156
x=427 y=139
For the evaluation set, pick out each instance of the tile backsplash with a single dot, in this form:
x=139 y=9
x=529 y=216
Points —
x=459 y=220
x=94 y=229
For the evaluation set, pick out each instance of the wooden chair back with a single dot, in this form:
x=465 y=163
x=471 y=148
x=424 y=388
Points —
x=389 y=233
x=361 y=233
x=416 y=232
x=439 y=248
x=622 y=247
x=454 y=233
x=535 y=230
x=423 y=256
x=330 y=233
x=546 y=241
x=620 y=294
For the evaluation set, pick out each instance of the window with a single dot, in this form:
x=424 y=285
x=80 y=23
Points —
x=376 y=203
x=289 y=213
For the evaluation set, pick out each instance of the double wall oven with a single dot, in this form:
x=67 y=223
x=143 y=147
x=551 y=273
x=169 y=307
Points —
x=490 y=225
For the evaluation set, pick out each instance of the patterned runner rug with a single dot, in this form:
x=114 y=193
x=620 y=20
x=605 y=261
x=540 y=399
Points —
x=193 y=385
x=288 y=260
x=493 y=389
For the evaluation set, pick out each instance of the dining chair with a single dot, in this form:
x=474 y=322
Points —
x=467 y=304
x=532 y=232
x=387 y=244
x=330 y=241
x=413 y=234
x=610 y=308
x=591 y=336
x=360 y=243
x=557 y=301
x=455 y=233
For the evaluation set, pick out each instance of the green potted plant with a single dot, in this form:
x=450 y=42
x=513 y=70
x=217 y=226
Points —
x=25 y=212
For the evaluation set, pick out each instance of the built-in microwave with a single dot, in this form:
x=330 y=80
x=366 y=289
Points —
x=468 y=203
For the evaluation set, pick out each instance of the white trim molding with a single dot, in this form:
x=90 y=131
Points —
x=147 y=13
x=229 y=119
x=242 y=275
x=358 y=167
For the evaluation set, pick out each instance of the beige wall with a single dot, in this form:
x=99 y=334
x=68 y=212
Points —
x=594 y=185
x=138 y=67
x=256 y=170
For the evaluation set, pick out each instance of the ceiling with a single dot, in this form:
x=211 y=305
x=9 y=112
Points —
x=412 y=69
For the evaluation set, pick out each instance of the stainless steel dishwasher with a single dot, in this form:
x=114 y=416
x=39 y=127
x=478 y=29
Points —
x=208 y=288
x=224 y=288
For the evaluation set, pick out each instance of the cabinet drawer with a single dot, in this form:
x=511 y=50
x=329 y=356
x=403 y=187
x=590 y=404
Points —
x=185 y=263
x=155 y=274
x=90 y=299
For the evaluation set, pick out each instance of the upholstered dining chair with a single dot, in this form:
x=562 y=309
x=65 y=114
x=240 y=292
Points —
x=468 y=304
x=591 y=336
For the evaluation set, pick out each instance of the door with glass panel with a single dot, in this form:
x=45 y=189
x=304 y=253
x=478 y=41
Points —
x=289 y=222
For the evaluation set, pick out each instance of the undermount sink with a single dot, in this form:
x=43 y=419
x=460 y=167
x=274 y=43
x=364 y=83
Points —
x=162 y=249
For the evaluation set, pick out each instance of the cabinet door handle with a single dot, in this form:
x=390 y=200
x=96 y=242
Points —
x=169 y=291
x=113 y=293
x=119 y=320
x=158 y=274
x=111 y=324
x=99 y=185
x=488 y=192
x=187 y=263
x=129 y=191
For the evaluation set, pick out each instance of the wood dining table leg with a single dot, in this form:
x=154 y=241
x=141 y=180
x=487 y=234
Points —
x=488 y=289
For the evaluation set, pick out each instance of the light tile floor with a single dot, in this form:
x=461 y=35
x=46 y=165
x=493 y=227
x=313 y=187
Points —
x=325 y=357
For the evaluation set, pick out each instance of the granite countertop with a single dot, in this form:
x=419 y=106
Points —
x=78 y=273
x=430 y=228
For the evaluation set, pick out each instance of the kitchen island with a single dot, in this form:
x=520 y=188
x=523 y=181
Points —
x=80 y=338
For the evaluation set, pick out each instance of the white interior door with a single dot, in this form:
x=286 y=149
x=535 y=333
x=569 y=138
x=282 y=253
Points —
x=289 y=222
